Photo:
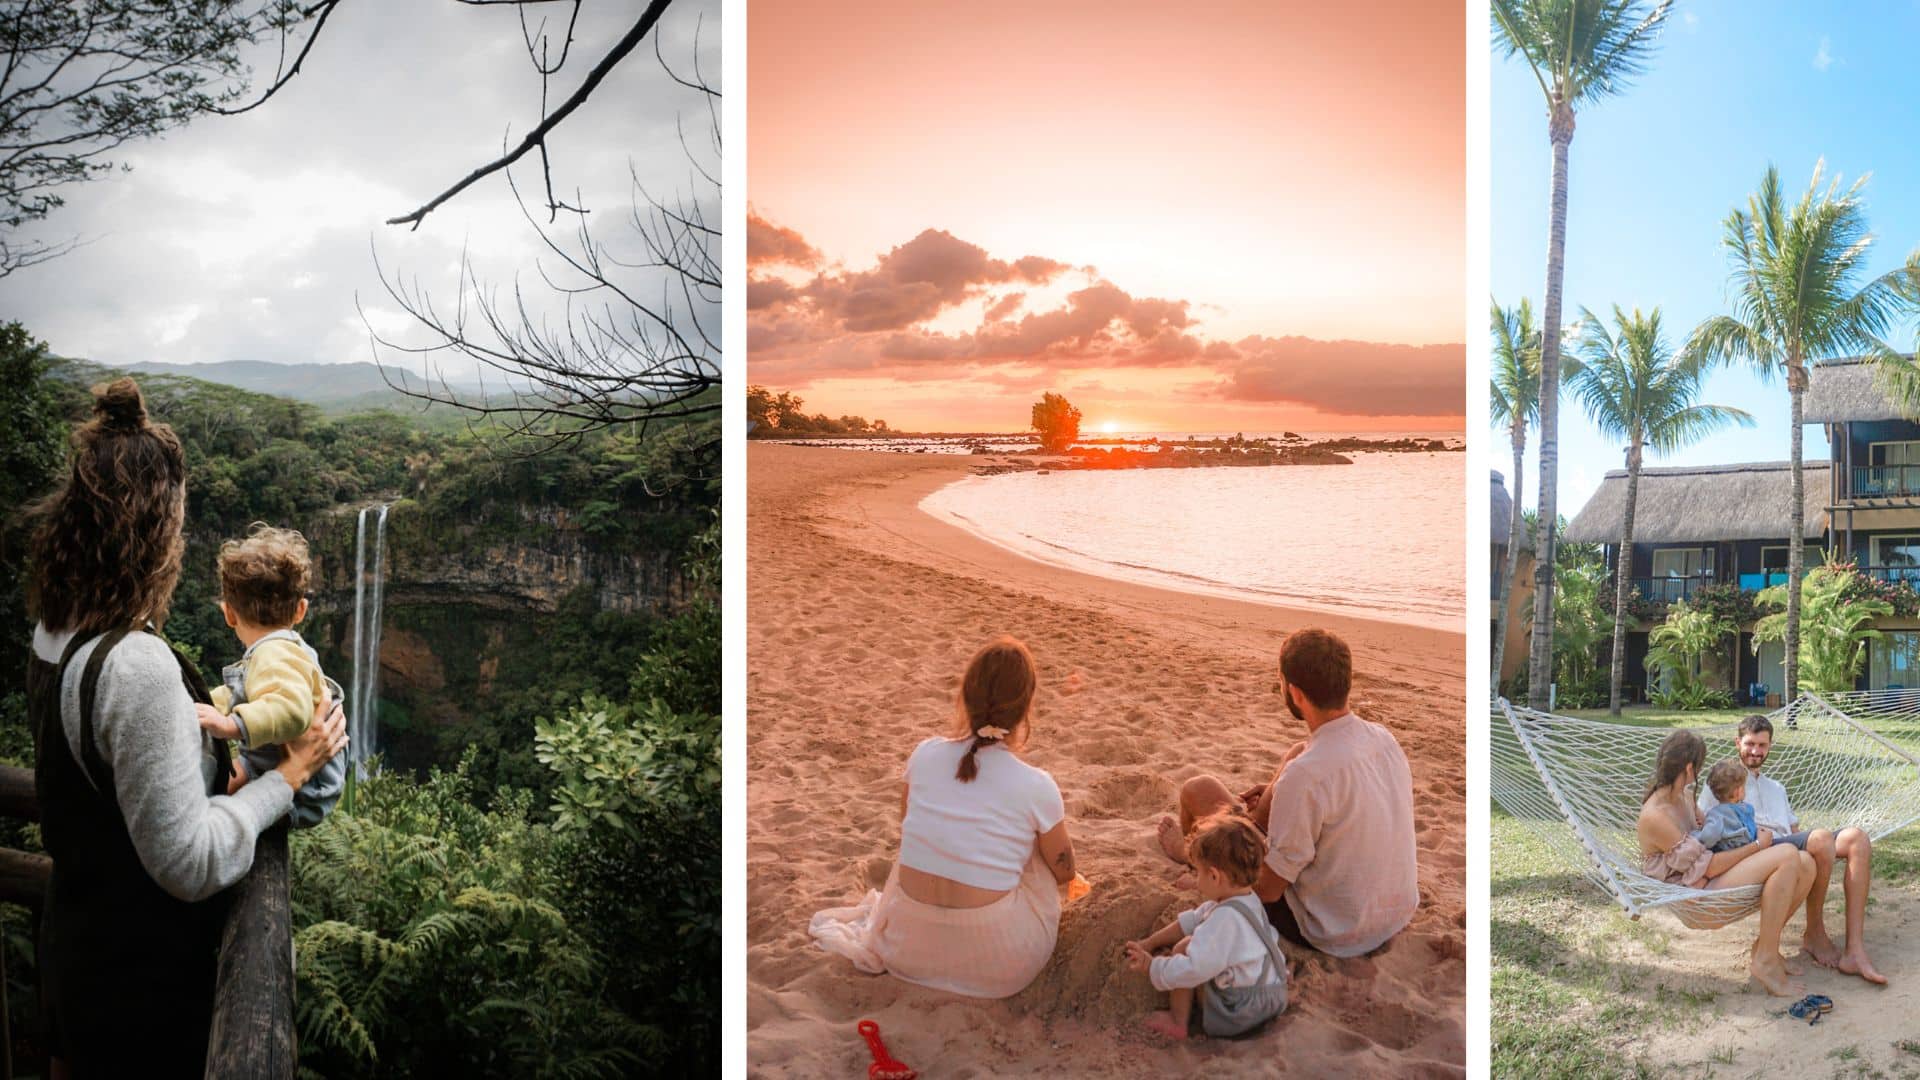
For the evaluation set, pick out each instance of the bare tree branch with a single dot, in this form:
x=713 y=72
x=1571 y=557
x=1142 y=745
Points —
x=609 y=340
x=537 y=137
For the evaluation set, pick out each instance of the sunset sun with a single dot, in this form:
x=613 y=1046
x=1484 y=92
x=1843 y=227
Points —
x=1109 y=427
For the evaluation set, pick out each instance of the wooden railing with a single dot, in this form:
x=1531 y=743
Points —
x=253 y=1032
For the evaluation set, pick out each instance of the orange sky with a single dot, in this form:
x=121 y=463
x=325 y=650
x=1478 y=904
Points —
x=1226 y=215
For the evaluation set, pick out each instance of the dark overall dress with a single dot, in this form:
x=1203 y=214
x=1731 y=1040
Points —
x=126 y=970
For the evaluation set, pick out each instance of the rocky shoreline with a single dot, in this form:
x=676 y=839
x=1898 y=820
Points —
x=1122 y=453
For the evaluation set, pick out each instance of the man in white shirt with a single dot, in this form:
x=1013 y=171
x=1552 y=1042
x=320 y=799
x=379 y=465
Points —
x=1768 y=797
x=1340 y=873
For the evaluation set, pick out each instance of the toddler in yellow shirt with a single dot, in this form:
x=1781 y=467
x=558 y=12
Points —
x=268 y=697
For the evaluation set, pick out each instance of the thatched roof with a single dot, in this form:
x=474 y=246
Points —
x=1501 y=504
x=1844 y=390
x=1703 y=503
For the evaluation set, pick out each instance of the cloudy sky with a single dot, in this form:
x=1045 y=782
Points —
x=1216 y=216
x=248 y=238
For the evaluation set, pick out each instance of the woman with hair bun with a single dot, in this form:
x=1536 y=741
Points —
x=973 y=903
x=134 y=801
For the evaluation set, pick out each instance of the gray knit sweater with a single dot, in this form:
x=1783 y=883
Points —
x=145 y=729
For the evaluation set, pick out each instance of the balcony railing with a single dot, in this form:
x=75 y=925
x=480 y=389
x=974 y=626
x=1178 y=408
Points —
x=1765 y=579
x=1885 y=481
x=1665 y=590
x=1909 y=575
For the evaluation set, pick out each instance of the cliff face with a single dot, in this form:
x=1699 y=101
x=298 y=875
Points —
x=527 y=563
x=470 y=608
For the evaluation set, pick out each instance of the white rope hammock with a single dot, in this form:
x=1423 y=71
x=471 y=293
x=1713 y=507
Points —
x=1578 y=784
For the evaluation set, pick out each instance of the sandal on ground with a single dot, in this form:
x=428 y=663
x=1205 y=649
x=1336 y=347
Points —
x=1807 y=1009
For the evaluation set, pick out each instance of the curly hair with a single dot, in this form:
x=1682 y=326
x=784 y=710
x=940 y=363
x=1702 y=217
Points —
x=107 y=543
x=1231 y=844
x=264 y=577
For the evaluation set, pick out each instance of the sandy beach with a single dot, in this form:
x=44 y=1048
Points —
x=862 y=610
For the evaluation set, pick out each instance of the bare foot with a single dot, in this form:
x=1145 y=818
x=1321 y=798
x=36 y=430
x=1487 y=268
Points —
x=1855 y=962
x=1817 y=945
x=1793 y=968
x=1771 y=973
x=1162 y=1023
x=1172 y=840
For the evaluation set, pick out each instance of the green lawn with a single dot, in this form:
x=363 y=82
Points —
x=1577 y=987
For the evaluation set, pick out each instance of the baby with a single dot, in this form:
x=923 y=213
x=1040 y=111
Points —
x=1730 y=824
x=1224 y=949
x=269 y=696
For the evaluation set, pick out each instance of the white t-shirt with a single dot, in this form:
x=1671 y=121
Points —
x=1342 y=832
x=980 y=832
x=1767 y=796
x=1225 y=949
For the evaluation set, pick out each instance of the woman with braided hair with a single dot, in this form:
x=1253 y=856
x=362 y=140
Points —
x=973 y=903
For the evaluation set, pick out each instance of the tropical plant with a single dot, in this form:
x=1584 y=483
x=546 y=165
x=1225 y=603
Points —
x=1835 y=626
x=1797 y=296
x=1634 y=388
x=1579 y=625
x=1579 y=51
x=1513 y=400
x=1057 y=421
x=1678 y=648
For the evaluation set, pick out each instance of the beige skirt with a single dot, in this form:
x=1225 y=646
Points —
x=986 y=952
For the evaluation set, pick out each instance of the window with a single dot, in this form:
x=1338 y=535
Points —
x=1773 y=557
x=1897 y=554
x=1896 y=661
x=1683 y=562
x=1893 y=453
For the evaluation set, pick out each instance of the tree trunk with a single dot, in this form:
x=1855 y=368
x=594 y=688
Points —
x=1797 y=525
x=1623 y=579
x=1540 y=655
x=1515 y=525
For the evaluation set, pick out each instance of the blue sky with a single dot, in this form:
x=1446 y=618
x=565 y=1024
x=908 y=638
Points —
x=1655 y=171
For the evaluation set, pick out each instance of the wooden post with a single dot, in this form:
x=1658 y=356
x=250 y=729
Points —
x=253 y=1031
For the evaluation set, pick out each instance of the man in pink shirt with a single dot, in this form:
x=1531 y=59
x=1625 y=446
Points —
x=1340 y=873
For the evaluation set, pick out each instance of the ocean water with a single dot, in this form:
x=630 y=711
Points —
x=1383 y=538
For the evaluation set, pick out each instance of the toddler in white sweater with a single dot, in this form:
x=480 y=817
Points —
x=1224 y=952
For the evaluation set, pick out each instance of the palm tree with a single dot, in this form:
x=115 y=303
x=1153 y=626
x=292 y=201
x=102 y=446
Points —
x=1634 y=388
x=1795 y=299
x=1580 y=51
x=1514 y=401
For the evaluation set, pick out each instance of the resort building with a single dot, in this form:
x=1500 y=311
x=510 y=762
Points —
x=1723 y=527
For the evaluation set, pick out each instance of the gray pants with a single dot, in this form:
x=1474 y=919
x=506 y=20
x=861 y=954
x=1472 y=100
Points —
x=1237 y=1010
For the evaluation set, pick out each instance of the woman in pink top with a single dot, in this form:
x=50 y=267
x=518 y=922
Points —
x=1668 y=814
x=973 y=903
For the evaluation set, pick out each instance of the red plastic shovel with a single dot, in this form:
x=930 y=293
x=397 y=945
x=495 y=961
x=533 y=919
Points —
x=884 y=1067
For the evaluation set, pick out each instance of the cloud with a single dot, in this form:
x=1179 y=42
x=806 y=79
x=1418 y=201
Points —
x=919 y=279
x=252 y=237
x=1004 y=306
x=1356 y=378
x=1823 y=56
x=770 y=243
x=897 y=319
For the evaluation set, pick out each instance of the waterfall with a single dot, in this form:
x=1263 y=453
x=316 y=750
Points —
x=363 y=697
